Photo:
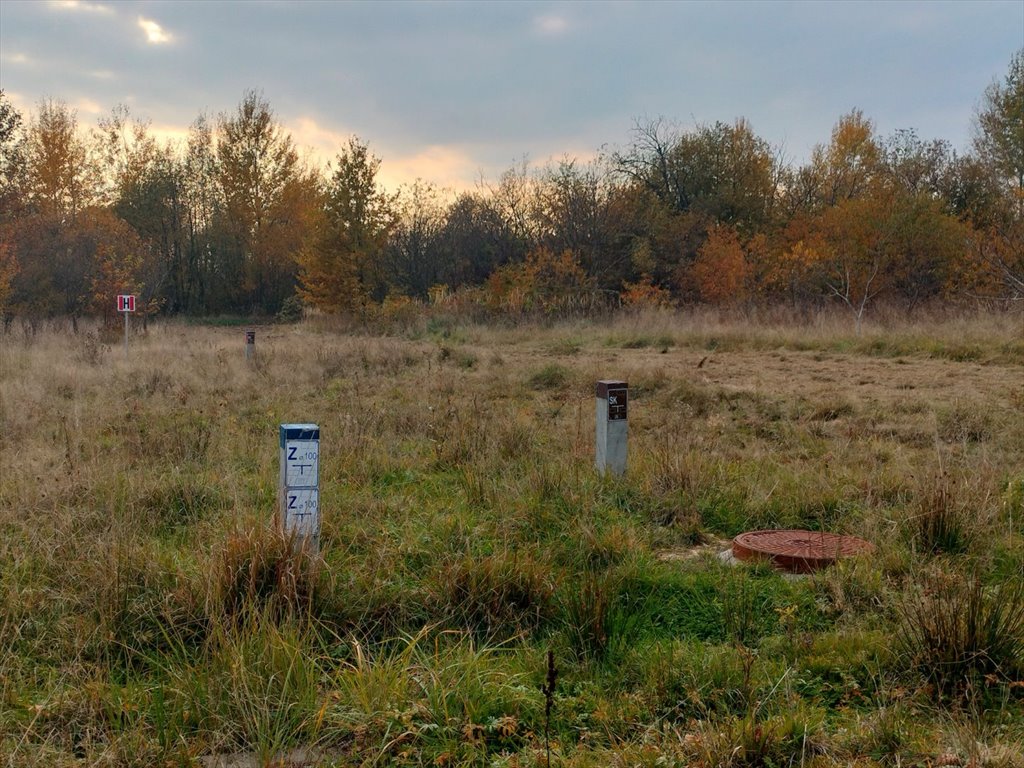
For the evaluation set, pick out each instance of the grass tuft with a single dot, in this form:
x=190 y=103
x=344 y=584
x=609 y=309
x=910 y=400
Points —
x=958 y=634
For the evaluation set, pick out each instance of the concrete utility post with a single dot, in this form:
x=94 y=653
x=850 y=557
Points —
x=612 y=421
x=250 y=345
x=299 y=490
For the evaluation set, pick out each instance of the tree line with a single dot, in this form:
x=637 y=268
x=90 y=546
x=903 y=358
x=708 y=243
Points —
x=233 y=220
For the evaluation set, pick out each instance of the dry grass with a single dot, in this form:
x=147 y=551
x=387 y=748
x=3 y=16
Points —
x=148 y=616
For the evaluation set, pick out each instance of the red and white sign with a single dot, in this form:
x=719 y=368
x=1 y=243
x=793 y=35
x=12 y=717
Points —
x=125 y=303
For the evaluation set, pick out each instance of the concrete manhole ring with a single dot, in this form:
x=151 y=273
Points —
x=798 y=551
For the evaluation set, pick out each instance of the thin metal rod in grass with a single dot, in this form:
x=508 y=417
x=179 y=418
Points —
x=548 y=689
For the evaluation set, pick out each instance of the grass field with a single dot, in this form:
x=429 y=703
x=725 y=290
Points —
x=150 y=616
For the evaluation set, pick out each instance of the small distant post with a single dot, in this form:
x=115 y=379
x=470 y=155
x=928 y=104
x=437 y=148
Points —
x=125 y=305
x=250 y=344
x=299 y=489
x=612 y=420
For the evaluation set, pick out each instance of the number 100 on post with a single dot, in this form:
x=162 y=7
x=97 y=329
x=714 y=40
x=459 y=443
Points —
x=300 y=481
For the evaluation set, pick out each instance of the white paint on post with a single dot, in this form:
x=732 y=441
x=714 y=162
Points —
x=250 y=345
x=299 y=502
x=612 y=418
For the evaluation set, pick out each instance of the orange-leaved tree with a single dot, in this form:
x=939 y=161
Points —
x=645 y=294
x=720 y=274
x=545 y=282
x=115 y=252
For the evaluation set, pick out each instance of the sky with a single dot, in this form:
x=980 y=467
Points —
x=457 y=92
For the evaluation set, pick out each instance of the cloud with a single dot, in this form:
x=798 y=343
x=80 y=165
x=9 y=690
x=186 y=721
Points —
x=16 y=58
x=87 y=106
x=19 y=102
x=445 y=165
x=169 y=133
x=80 y=5
x=550 y=25
x=155 y=34
x=324 y=143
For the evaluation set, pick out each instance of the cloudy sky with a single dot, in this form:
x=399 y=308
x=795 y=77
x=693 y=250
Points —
x=458 y=91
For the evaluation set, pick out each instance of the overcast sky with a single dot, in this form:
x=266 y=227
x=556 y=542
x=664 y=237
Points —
x=452 y=92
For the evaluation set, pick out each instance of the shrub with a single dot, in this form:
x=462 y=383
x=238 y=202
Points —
x=291 y=310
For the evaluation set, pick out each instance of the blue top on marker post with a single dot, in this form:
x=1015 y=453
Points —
x=299 y=432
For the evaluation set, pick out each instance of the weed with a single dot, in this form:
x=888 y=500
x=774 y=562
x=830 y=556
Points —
x=965 y=423
x=586 y=608
x=957 y=633
x=552 y=376
x=149 y=617
x=91 y=350
x=941 y=519
x=258 y=571
x=181 y=499
x=757 y=742
x=496 y=596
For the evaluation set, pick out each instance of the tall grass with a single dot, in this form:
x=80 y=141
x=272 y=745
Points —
x=149 y=614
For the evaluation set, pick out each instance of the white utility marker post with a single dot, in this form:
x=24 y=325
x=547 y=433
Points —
x=612 y=420
x=126 y=305
x=250 y=345
x=300 y=485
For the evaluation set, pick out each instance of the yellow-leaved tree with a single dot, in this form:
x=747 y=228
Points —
x=340 y=262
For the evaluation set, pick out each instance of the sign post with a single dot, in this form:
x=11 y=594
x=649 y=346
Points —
x=612 y=420
x=299 y=491
x=250 y=345
x=125 y=305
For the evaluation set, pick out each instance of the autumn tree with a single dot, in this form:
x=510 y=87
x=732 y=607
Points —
x=142 y=184
x=998 y=244
x=340 y=264
x=722 y=172
x=575 y=211
x=61 y=180
x=13 y=165
x=13 y=157
x=266 y=192
x=720 y=274
x=55 y=264
x=76 y=269
x=515 y=199
x=999 y=137
x=114 y=253
x=201 y=276
x=844 y=168
x=546 y=283
x=915 y=166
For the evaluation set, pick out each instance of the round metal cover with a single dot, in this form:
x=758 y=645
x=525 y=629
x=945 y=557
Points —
x=798 y=551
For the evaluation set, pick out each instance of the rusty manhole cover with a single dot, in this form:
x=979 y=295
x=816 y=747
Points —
x=798 y=551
